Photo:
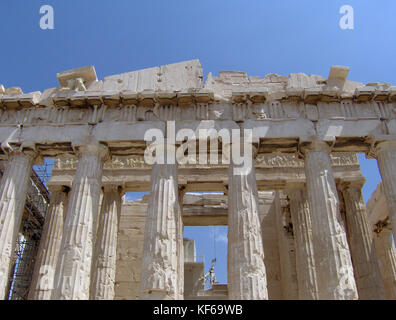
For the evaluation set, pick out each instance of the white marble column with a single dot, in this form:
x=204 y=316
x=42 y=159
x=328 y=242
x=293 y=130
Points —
x=386 y=253
x=105 y=252
x=48 y=252
x=367 y=273
x=159 y=273
x=386 y=156
x=246 y=270
x=13 y=191
x=302 y=229
x=72 y=279
x=287 y=255
x=180 y=246
x=332 y=258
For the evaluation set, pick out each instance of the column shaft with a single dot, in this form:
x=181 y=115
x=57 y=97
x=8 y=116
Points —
x=159 y=276
x=286 y=250
x=13 y=191
x=180 y=247
x=50 y=243
x=302 y=229
x=367 y=274
x=387 y=261
x=72 y=280
x=332 y=258
x=105 y=252
x=246 y=270
x=386 y=156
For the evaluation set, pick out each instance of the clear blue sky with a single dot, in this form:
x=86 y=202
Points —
x=255 y=36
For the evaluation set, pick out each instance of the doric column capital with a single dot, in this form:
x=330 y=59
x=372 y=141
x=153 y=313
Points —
x=384 y=146
x=55 y=188
x=314 y=145
x=161 y=151
x=113 y=188
x=353 y=184
x=89 y=146
x=94 y=149
x=378 y=144
x=240 y=156
x=242 y=145
x=294 y=186
x=26 y=148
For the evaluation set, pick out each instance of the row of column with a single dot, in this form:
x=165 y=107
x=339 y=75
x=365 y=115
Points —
x=364 y=279
x=77 y=255
x=325 y=245
x=324 y=253
x=322 y=244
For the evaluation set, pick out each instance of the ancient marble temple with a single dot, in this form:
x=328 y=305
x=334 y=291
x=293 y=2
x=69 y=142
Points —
x=298 y=225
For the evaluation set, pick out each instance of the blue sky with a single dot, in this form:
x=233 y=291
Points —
x=255 y=36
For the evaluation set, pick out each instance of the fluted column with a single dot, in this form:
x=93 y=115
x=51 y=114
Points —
x=246 y=270
x=72 y=280
x=287 y=256
x=386 y=253
x=104 y=261
x=13 y=191
x=386 y=156
x=180 y=246
x=159 y=276
x=50 y=243
x=332 y=258
x=367 y=274
x=302 y=229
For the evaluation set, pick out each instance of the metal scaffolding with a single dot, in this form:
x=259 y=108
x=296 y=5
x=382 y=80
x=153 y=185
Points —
x=23 y=269
x=37 y=202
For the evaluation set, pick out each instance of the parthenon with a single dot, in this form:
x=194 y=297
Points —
x=298 y=227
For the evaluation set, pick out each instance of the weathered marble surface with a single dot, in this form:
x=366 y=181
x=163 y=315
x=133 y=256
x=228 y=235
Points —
x=13 y=191
x=125 y=105
x=378 y=216
x=246 y=269
x=50 y=244
x=386 y=252
x=105 y=252
x=386 y=155
x=73 y=273
x=160 y=262
x=287 y=250
x=283 y=112
x=332 y=257
x=365 y=262
x=302 y=231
